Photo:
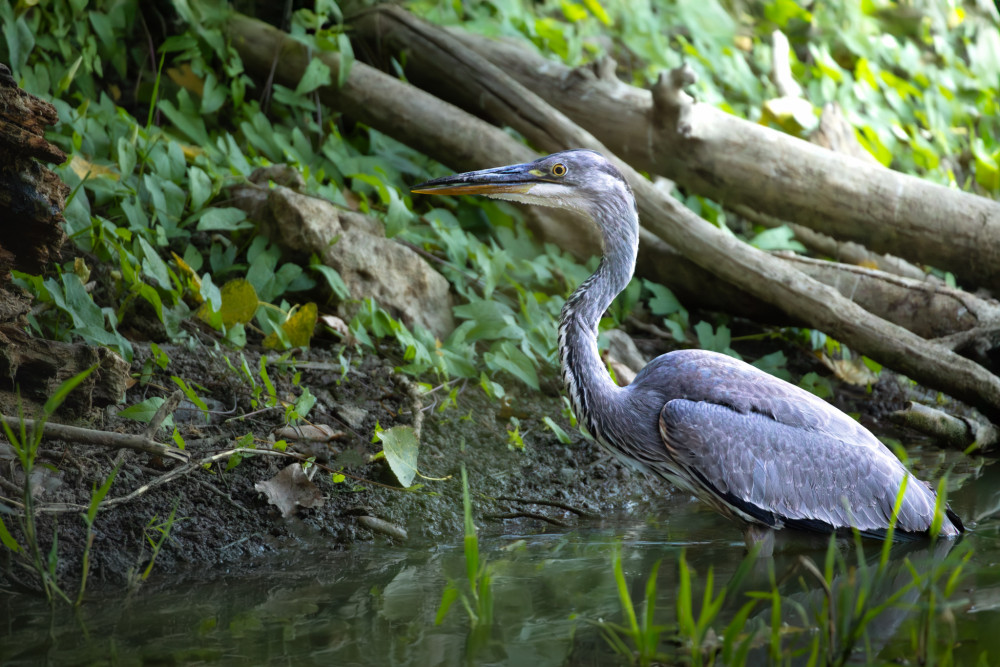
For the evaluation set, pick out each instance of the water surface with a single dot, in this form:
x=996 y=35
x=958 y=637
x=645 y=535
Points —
x=377 y=603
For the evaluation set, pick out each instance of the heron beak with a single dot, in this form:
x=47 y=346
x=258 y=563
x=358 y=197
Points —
x=518 y=178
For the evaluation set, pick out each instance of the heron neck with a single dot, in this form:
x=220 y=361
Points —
x=590 y=387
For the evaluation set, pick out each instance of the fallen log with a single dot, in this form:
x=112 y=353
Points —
x=716 y=154
x=463 y=142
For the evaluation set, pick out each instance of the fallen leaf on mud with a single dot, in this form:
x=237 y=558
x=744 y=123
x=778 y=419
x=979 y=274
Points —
x=308 y=432
x=290 y=489
x=400 y=446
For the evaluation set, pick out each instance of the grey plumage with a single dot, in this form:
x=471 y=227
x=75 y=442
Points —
x=754 y=447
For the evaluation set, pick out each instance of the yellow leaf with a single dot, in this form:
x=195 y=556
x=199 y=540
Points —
x=298 y=328
x=192 y=277
x=185 y=77
x=597 y=10
x=239 y=303
x=82 y=168
x=791 y=114
x=191 y=152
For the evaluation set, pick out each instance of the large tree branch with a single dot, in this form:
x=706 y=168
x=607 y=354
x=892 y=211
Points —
x=724 y=157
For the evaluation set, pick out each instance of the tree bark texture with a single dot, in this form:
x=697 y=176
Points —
x=31 y=236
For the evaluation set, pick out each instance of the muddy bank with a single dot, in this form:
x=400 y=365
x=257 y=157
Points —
x=221 y=516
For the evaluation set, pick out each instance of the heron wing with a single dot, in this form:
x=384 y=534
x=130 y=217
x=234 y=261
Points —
x=782 y=474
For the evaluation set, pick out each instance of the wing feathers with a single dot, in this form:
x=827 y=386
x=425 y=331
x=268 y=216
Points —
x=802 y=477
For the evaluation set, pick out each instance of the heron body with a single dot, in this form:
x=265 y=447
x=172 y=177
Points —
x=753 y=446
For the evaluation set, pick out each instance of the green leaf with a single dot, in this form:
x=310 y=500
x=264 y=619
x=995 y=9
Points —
x=448 y=598
x=777 y=238
x=505 y=356
x=346 y=58
x=561 y=435
x=7 y=539
x=144 y=410
x=493 y=320
x=201 y=187
x=126 y=157
x=222 y=219
x=333 y=279
x=98 y=495
x=400 y=445
x=663 y=302
x=317 y=74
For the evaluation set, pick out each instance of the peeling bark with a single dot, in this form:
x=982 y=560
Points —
x=31 y=236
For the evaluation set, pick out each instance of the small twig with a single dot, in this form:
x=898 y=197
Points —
x=416 y=402
x=88 y=436
x=180 y=471
x=528 y=515
x=10 y=486
x=549 y=503
x=650 y=328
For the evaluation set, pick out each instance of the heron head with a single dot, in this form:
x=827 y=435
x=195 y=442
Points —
x=578 y=179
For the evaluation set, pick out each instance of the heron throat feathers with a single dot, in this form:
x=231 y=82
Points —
x=591 y=390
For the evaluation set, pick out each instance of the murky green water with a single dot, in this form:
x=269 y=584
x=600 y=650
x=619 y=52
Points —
x=376 y=605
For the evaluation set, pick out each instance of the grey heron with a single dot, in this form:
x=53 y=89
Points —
x=753 y=446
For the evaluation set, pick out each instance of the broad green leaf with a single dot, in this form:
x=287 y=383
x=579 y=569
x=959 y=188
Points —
x=663 y=302
x=401 y=446
x=144 y=410
x=346 y=58
x=505 y=356
x=223 y=219
x=201 y=187
x=126 y=157
x=333 y=280
x=317 y=74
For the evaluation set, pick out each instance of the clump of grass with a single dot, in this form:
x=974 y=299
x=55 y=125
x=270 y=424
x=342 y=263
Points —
x=477 y=596
x=641 y=631
x=25 y=443
x=830 y=628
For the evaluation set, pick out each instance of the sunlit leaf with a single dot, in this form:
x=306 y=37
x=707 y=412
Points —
x=297 y=329
x=239 y=303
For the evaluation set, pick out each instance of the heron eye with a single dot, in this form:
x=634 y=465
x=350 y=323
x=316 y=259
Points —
x=559 y=169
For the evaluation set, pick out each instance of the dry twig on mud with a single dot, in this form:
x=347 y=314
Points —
x=87 y=436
